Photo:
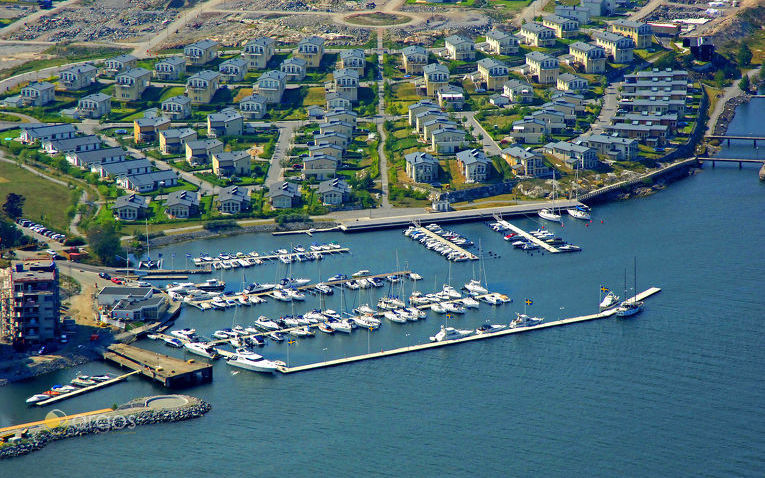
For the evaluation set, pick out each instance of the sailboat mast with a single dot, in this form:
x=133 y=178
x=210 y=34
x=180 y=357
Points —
x=635 y=279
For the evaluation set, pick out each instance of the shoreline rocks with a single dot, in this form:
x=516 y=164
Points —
x=114 y=421
x=729 y=111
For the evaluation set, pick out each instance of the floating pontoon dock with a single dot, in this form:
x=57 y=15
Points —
x=80 y=391
x=528 y=237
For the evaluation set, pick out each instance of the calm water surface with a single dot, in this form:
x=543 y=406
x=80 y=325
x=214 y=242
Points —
x=676 y=391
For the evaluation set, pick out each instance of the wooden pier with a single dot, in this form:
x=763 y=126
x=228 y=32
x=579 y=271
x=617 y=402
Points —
x=80 y=391
x=528 y=237
x=430 y=345
x=447 y=243
x=169 y=371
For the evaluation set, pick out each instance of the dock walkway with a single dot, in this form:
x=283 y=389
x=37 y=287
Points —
x=169 y=371
x=83 y=390
x=413 y=348
x=528 y=237
x=447 y=243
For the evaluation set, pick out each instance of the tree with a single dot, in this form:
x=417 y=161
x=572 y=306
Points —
x=720 y=78
x=744 y=55
x=762 y=73
x=14 y=205
x=104 y=241
x=744 y=83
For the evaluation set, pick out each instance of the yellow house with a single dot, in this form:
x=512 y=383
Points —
x=640 y=33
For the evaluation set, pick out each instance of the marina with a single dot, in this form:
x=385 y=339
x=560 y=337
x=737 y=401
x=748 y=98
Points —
x=435 y=238
x=479 y=336
x=296 y=254
x=503 y=225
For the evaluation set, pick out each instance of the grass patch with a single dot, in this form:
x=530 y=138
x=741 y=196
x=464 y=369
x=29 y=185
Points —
x=377 y=19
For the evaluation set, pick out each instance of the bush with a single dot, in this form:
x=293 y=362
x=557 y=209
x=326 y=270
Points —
x=74 y=241
x=220 y=225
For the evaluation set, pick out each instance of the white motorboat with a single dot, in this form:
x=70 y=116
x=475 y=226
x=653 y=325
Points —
x=453 y=307
x=221 y=334
x=475 y=287
x=266 y=324
x=172 y=342
x=366 y=321
x=609 y=300
x=199 y=348
x=470 y=303
x=394 y=317
x=415 y=312
x=183 y=334
x=438 y=308
x=362 y=272
x=251 y=361
x=254 y=299
x=281 y=295
x=490 y=328
x=451 y=291
x=291 y=322
x=523 y=320
x=629 y=308
x=450 y=333
x=342 y=326
x=295 y=295
x=39 y=397
x=415 y=276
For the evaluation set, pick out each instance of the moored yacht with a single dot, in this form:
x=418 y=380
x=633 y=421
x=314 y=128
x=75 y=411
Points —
x=251 y=361
x=450 y=333
x=609 y=300
x=629 y=308
x=202 y=349
x=580 y=212
x=475 y=287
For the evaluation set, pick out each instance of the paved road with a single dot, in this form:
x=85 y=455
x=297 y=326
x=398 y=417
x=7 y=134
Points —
x=281 y=151
x=490 y=147
x=534 y=9
x=383 y=159
x=608 y=111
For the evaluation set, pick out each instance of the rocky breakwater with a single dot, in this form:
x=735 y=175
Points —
x=728 y=112
x=141 y=411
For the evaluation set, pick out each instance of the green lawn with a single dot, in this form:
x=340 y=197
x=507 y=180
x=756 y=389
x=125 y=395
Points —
x=45 y=201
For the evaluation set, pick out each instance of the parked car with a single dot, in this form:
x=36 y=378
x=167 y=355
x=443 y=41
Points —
x=117 y=280
x=104 y=275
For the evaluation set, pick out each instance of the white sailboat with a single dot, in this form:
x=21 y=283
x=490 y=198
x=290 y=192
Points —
x=550 y=214
x=630 y=306
x=579 y=212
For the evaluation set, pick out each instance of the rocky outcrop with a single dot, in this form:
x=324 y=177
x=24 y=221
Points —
x=728 y=112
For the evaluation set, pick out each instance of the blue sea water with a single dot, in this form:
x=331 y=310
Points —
x=675 y=391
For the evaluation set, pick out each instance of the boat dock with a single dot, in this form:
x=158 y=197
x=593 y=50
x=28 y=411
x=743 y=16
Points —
x=414 y=348
x=80 y=391
x=447 y=243
x=527 y=236
x=306 y=231
x=169 y=371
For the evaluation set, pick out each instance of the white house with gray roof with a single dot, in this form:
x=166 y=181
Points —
x=460 y=48
x=170 y=68
x=130 y=85
x=502 y=43
x=94 y=106
x=311 y=49
x=201 y=87
x=421 y=167
x=201 y=52
x=353 y=59
x=474 y=165
x=118 y=64
x=182 y=204
x=258 y=52
x=176 y=107
x=77 y=77
x=233 y=69
x=271 y=86
x=130 y=207
x=253 y=106
x=233 y=200
x=38 y=93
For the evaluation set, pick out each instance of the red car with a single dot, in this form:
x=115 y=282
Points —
x=117 y=280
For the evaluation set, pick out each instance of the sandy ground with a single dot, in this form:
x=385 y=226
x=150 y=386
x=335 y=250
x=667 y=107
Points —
x=16 y=54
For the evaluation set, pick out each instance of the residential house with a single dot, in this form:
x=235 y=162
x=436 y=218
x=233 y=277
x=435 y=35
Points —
x=426 y=116
x=640 y=33
x=353 y=59
x=460 y=48
x=271 y=85
x=311 y=49
x=333 y=192
x=201 y=87
x=77 y=77
x=284 y=195
x=72 y=145
x=518 y=91
x=599 y=7
x=618 y=47
x=233 y=200
x=657 y=75
x=538 y=35
x=543 y=67
x=94 y=106
x=528 y=130
x=173 y=141
x=31 y=309
x=258 y=52
x=336 y=126
x=614 y=147
x=118 y=64
x=419 y=107
x=554 y=120
x=526 y=162
x=130 y=85
x=201 y=52
x=578 y=13
x=433 y=125
x=474 y=165
x=32 y=132
x=702 y=48
x=414 y=59
x=653 y=105
x=337 y=139
x=320 y=167
x=421 y=167
x=146 y=130
x=668 y=119
x=122 y=168
x=201 y=151
x=436 y=77
x=569 y=110
x=341 y=114
x=233 y=69
x=575 y=156
x=569 y=82
x=447 y=140
x=253 y=106
x=336 y=100
x=148 y=182
x=227 y=122
x=564 y=27
x=451 y=97
x=176 y=107
x=591 y=57
x=493 y=73
x=650 y=134
x=295 y=68
x=346 y=82
x=576 y=99
x=315 y=112
x=502 y=43
x=231 y=163
x=86 y=159
x=130 y=207
x=326 y=149
x=182 y=204
x=499 y=100
x=170 y=68
x=38 y=93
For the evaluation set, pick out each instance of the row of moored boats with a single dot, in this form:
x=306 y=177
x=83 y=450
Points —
x=77 y=383
x=448 y=246
x=240 y=259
